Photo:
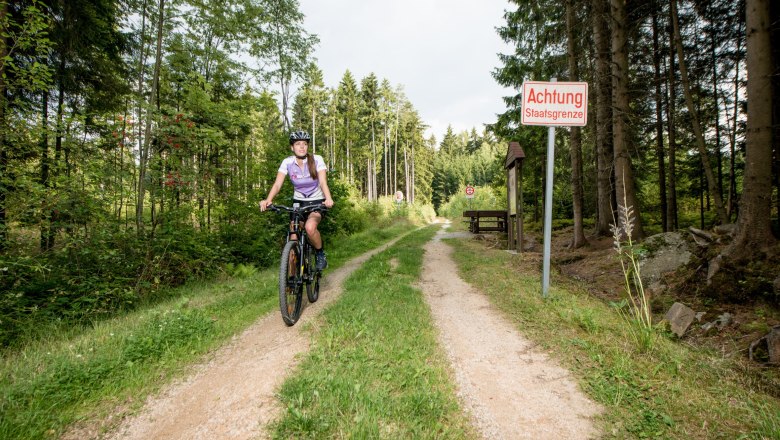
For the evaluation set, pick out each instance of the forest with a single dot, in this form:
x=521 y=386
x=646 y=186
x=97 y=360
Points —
x=137 y=137
x=676 y=131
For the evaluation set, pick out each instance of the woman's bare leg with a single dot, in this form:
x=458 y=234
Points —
x=311 y=230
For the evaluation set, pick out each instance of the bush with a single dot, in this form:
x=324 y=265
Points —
x=347 y=217
x=103 y=270
x=96 y=276
x=485 y=197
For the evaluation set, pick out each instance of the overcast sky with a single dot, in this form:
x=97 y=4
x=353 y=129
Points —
x=442 y=52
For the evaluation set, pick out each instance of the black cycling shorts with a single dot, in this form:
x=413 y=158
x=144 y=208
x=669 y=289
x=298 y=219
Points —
x=304 y=204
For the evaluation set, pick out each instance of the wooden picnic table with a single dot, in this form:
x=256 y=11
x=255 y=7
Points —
x=486 y=221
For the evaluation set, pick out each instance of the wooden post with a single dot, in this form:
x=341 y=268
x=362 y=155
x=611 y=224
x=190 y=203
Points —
x=514 y=168
x=519 y=212
x=510 y=230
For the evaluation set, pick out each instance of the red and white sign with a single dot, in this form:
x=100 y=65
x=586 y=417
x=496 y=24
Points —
x=555 y=103
x=469 y=191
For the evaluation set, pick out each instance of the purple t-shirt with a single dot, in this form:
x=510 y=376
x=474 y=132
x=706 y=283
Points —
x=306 y=186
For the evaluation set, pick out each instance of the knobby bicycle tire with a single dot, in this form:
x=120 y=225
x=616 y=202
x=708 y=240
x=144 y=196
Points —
x=290 y=284
x=313 y=283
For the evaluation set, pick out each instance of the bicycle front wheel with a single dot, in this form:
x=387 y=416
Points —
x=313 y=283
x=290 y=284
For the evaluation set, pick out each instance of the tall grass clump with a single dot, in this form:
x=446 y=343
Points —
x=638 y=316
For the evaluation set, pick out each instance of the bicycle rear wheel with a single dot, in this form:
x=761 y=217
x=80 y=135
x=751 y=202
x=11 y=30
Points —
x=313 y=283
x=290 y=284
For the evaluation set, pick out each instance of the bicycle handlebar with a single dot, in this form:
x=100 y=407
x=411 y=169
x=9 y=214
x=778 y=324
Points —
x=302 y=210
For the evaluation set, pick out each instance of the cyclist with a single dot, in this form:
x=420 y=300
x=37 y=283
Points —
x=308 y=176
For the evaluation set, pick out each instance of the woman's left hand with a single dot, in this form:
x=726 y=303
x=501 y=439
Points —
x=328 y=203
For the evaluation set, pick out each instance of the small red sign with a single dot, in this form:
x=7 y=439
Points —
x=469 y=190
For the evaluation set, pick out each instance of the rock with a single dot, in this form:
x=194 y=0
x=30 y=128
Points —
x=667 y=252
x=700 y=241
x=700 y=315
x=721 y=322
x=706 y=327
x=702 y=238
x=729 y=229
x=656 y=288
x=713 y=268
x=767 y=348
x=680 y=318
x=724 y=320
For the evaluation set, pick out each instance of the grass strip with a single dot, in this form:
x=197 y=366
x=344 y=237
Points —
x=375 y=369
x=84 y=374
x=670 y=391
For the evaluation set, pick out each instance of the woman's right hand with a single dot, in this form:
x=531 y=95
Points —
x=264 y=204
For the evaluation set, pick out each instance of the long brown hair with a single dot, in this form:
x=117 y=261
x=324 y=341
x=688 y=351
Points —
x=312 y=166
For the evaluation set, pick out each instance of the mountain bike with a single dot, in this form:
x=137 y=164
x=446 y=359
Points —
x=297 y=268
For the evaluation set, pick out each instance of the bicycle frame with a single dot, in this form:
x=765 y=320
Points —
x=297 y=229
x=293 y=278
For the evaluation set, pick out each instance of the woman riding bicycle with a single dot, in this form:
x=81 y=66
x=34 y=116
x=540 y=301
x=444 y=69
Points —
x=308 y=176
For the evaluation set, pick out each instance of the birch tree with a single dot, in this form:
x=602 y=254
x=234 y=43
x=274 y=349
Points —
x=144 y=153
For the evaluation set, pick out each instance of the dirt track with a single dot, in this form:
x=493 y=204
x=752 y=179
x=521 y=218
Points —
x=233 y=395
x=509 y=389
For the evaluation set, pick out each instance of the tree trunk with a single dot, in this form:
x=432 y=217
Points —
x=603 y=123
x=733 y=148
x=3 y=147
x=395 y=148
x=313 y=130
x=711 y=182
x=670 y=120
x=624 y=173
x=732 y=193
x=754 y=233
x=406 y=175
x=701 y=197
x=774 y=36
x=368 y=179
x=121 y=165
x=385 y=175
x=349 y=159
x=48 y=241
x=45 y=238
x=575 y=138
x=716 y=94
x=659 y=124
x=332 y=144
x=144 y=156
x=140 y=104
x=374 y=191
x=411 y=197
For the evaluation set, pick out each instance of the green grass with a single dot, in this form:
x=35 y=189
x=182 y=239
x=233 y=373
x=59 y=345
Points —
x=375 y=370
x=85 y=373
x=669 y=391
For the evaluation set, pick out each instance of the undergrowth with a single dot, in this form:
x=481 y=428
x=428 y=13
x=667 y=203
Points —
x=73 y=373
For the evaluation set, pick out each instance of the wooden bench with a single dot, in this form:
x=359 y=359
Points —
x=486 y=221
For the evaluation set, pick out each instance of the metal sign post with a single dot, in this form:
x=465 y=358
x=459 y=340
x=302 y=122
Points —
x=470 y=194
x=550 y=104
x=548 y=191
